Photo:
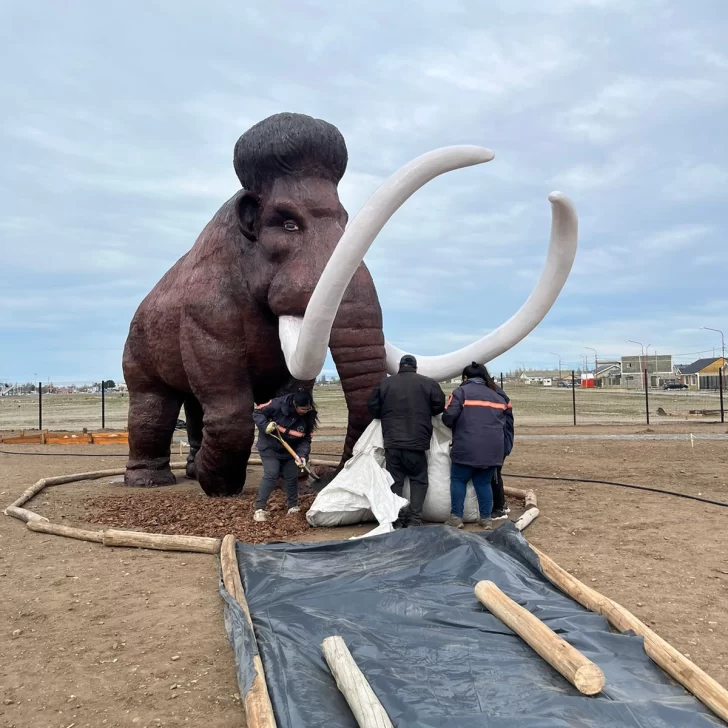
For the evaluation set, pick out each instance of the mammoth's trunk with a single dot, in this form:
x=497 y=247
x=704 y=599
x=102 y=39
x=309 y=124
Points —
x=361 y=362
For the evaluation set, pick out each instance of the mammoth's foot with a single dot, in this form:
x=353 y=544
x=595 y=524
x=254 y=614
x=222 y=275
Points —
x=148 y=473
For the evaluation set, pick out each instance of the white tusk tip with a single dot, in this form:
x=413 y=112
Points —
x=557 y=197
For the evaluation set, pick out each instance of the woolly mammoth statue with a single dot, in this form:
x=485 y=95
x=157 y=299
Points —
x=273 y=283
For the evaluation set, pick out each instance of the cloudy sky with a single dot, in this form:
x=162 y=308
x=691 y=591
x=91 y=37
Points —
x=119 y=121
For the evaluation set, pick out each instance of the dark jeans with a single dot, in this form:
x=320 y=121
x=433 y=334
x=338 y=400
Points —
x=481 y=477
x=272 y=469
x=412 y=464
x=499 y=497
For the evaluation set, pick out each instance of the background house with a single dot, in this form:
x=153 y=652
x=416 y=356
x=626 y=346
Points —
x=703 y=373
x=660 y=369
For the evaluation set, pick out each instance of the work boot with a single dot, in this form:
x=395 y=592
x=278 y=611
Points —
x=260 y=516
x=454 y=521
x=486 y=524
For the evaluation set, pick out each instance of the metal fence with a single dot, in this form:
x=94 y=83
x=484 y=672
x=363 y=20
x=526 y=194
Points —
x=95 y=406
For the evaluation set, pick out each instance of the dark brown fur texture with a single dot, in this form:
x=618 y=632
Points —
x=206 y=337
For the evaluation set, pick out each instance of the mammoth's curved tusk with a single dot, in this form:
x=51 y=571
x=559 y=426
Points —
x=559 y=259
x=305 y=344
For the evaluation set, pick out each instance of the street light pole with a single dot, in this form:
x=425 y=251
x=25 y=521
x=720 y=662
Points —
x=722 y=337
x=642 y=354
x=558 y=356
x=722 y=346
x=596 y=364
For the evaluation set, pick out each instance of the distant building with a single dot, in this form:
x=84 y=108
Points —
x=542 y=376
x=660 y=369
x=703 y=373
x=609 y=374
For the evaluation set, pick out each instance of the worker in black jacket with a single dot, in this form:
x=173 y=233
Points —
x=293 y=418
x=406 y=404
x=477 y=415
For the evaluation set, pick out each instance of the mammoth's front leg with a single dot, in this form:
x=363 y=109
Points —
x=215 y=366
x=153 y=412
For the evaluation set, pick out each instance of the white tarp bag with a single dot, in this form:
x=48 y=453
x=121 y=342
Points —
x=362 y=492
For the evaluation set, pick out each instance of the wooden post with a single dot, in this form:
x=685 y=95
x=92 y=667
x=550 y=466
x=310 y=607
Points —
x=258 y=708
x=582 y=673
x=364 y=704
x=56 y=529
x=161 y=542
x=674 y=663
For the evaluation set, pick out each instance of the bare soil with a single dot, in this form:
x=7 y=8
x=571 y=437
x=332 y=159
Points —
x=94 y=636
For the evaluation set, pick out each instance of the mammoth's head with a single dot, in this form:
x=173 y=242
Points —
x=289 y=166
x=306 y=265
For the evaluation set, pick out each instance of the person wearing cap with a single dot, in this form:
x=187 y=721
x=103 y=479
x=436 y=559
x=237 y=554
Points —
x=406 y=403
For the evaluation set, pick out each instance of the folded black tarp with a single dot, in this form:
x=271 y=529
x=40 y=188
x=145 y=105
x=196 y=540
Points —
x=404 y=605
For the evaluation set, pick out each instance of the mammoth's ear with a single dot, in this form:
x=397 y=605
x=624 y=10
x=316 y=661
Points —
x=247 y=208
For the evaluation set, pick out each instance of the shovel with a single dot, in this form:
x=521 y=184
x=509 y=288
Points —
x=292 y=453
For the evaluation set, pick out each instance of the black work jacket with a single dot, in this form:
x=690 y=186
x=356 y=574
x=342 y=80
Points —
x=478 y=417
x=291 y=426
x=406 y=404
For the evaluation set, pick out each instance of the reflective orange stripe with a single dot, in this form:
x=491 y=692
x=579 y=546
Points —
x=481 y=403
x=449 y=399
x=291 y=432
x=260 y=406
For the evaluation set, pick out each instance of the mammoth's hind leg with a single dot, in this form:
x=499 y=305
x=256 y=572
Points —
x=193 y=418
x=153 y=412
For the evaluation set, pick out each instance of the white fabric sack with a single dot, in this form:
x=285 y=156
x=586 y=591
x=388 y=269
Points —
x=362 y=491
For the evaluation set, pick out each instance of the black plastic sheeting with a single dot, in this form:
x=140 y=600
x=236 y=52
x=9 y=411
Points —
x=405 y=606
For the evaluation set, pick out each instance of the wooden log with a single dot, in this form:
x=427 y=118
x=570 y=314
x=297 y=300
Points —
x=23 y=514
x=29 y=493
x=56 y=529
x=674 y=663
x=528 y=496
x=161 y=542
x=582 y=673
x=350 y=680
x=258 y=708
x=527 y=519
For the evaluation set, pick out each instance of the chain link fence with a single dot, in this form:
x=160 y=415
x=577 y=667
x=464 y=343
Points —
x=73 y=406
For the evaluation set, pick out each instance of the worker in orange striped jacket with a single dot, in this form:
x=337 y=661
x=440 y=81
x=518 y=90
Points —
x=478 y=416
x=292 y=418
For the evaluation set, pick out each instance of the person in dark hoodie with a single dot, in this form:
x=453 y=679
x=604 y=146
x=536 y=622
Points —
x=406 y=404
x=293 y=418
x=500 y=508
x=477 y=415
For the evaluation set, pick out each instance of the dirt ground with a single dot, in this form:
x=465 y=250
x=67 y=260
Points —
x=94 y=636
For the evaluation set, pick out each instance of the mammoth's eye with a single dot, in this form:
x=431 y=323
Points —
x=290 y=226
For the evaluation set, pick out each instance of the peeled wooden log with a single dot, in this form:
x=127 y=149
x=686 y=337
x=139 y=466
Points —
x=350 y=680
x=161 y=542
x=527 y=518
x=674 y=663
x=258 y=708
x=23 y=514
x=528 y=496
x=581 y=672
x=56 y=529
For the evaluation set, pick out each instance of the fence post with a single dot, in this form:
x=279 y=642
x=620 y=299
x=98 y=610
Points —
x=647 y=397
x=40 y=406
x=103 y=404
x=501 y=378
x=721 y=381
x=573 y=394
